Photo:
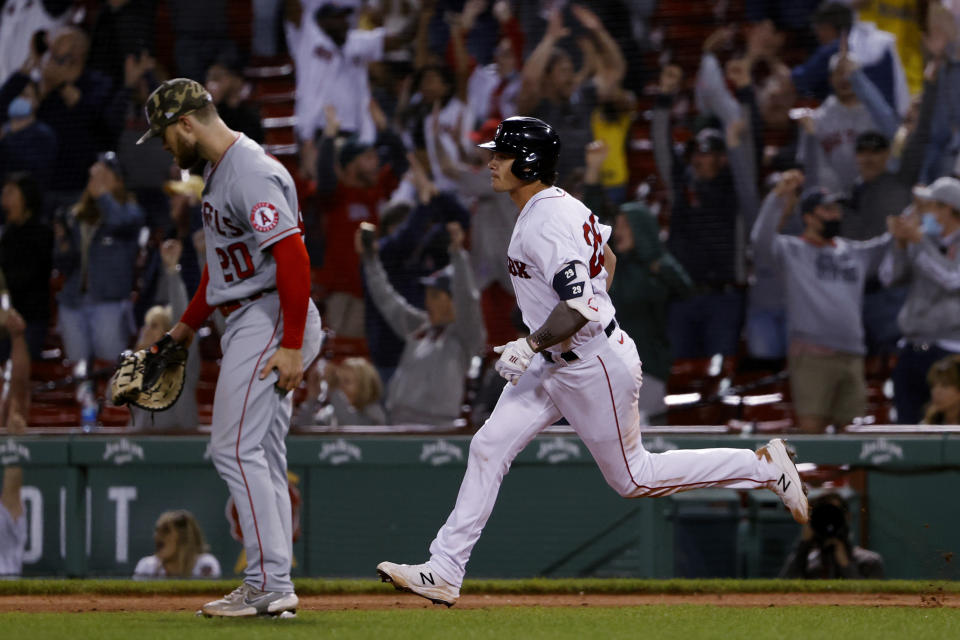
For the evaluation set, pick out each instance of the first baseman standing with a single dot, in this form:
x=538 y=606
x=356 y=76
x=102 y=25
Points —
x=577 y=364
x=257 y=274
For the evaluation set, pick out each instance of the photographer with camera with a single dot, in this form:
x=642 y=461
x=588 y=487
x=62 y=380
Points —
x=826 y=550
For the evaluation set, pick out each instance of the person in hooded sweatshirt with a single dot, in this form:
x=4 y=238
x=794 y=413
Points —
x=648 y=278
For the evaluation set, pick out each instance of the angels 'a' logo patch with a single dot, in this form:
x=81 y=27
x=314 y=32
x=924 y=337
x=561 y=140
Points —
x=264 y=216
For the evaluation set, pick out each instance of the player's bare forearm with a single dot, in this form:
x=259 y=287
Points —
x=562 y=323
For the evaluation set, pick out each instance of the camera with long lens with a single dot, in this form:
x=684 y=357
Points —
x=829 y=520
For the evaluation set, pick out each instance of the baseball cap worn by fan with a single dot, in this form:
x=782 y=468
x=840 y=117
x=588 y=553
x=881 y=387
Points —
x=192 y=186
x=112 y=162
x=172 y=99
x=813 y=198
x=352 y=147
x=872 y=141
x=944 y=190
x=709 y=140
x=442 y=279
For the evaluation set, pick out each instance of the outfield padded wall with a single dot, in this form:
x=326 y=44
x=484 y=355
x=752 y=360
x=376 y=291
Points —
x=367 y=499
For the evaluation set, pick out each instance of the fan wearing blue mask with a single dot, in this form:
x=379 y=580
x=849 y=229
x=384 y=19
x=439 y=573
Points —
x=26 y=143
x=926 y=255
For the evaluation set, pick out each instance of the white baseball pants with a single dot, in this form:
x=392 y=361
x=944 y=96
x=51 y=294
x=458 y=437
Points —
x=598 y=396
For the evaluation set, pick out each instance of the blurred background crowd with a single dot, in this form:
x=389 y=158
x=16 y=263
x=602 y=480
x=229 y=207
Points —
x=778 y=174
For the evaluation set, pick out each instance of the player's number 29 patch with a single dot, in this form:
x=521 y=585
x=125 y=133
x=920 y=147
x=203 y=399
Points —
x=264 y=216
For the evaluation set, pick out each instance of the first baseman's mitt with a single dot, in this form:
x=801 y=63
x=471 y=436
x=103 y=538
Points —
x=151 y=378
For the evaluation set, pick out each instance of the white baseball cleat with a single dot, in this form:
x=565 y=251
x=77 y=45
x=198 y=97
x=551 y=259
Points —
x=247 y=601
x=419 y=579
x=788 y=486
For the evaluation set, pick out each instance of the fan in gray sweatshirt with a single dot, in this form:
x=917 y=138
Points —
x=827 y=147
x=428 y=386
x=823 y=280
x=823 y=277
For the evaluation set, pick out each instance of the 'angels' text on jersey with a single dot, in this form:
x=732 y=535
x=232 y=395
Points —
x=249 y=204
x=224 y=226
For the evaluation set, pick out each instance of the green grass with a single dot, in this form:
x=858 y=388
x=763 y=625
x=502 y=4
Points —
x=690 y=622
x=314 y=586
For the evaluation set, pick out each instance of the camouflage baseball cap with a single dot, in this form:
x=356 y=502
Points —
x=171 y=100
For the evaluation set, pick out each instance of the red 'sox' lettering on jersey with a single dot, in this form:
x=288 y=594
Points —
x=264 y=216
x=517 y=269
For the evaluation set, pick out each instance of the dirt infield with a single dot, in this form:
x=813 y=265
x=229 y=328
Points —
x=89 y=603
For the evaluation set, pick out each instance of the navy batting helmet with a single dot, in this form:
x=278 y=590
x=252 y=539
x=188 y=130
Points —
x=534 y=144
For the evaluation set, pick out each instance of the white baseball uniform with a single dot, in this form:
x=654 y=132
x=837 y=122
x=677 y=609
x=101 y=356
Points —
x=21 y=19
x=13 y=540
x=592 y=379
x=328 y=74
x=250 y=204
x=449 y=129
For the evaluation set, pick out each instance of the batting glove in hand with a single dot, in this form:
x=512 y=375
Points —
x=514 y=359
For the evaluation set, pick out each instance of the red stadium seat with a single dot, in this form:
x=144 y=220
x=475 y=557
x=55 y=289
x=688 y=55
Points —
x=111 y=416
x=205 y=413
x=43 y=416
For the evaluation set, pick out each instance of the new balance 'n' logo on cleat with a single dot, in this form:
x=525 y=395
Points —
x=421 y=580
x=783 y=483
x=788 y=486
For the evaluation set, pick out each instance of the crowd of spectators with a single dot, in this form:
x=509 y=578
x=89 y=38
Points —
x=783 y=220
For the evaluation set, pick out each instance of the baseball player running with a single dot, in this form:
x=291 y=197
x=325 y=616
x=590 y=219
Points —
x=577 y=364
x=257 y=274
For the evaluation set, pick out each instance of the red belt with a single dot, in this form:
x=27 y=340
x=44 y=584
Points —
x=229 y=307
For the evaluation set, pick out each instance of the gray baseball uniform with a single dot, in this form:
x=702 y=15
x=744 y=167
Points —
x=250 y=204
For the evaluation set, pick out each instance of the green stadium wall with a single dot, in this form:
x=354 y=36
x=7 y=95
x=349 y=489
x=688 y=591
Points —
x=92 y=502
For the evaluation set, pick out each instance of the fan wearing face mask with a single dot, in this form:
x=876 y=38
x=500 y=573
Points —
x=925 y=257
x=26 y=143
x=823 y=276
